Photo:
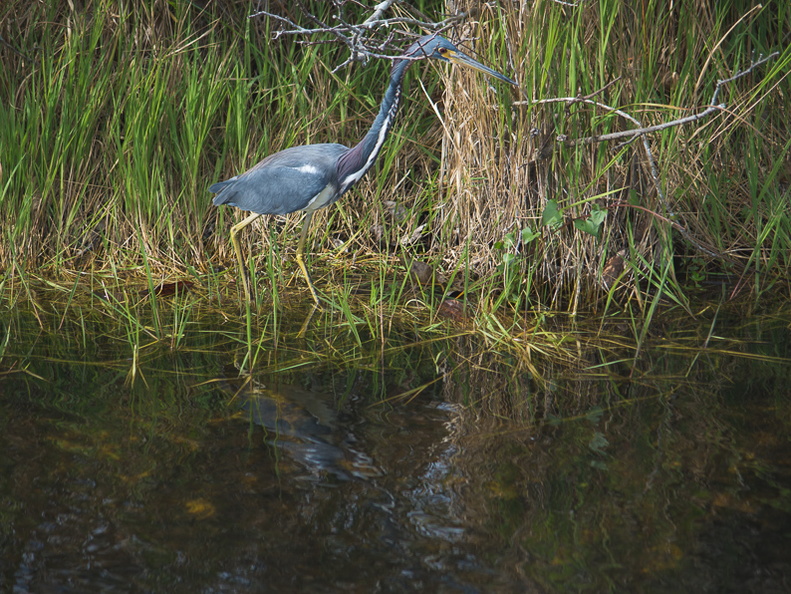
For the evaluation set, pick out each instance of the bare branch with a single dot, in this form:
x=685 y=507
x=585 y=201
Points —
x=742 y=73
x=359 y=38
x=379 y=10
x=641 y=131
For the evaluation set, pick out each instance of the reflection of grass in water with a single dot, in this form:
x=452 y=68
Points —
x=360 y=328
x=600 y=465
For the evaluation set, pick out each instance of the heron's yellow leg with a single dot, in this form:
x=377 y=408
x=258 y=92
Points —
x=235 y=241
x=301 y=251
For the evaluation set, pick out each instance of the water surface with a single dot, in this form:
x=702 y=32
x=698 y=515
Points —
x=346 y=464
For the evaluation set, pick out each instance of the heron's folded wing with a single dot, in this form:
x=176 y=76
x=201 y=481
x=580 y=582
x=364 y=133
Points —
x=272 y=189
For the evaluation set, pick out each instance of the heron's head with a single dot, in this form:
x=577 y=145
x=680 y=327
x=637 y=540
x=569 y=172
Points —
x=439 y=48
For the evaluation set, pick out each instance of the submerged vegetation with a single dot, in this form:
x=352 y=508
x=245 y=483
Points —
x=117 y=117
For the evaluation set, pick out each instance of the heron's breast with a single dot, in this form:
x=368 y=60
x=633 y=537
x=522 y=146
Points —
x=324 y=198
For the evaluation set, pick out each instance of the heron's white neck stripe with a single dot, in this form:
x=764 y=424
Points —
x=353 y=178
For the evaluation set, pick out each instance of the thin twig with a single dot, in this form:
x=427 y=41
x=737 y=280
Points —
x=358 y=38
x=640 y=130
x=379 y=10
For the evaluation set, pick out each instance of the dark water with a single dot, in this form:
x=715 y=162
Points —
x=136 y=461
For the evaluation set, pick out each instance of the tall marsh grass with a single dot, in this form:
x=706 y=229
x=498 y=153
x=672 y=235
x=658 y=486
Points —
x=117 y=116
x=718 y=179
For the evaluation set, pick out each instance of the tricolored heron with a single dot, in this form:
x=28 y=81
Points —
x=314 y=176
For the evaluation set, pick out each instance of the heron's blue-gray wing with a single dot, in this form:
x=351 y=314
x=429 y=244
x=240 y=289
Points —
x=298 y=178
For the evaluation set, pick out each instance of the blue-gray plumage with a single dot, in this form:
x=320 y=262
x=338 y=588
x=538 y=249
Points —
x=314 y=176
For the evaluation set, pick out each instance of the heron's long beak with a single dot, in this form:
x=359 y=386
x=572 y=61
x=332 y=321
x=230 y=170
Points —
x=464 y=60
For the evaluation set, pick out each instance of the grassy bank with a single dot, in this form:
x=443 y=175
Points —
x=116 y=118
